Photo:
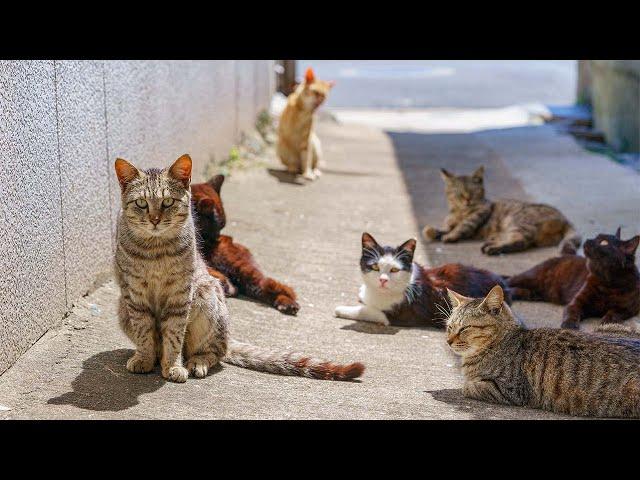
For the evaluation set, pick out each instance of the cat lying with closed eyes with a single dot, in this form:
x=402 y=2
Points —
x=398 y=291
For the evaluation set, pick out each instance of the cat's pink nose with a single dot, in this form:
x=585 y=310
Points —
x=154 y=220
x=383 y=282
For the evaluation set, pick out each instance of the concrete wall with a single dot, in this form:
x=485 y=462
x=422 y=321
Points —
x=62 y=124
x=613 y=88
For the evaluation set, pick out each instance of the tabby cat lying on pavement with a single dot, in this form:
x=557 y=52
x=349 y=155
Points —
x=604 y=284
x=505 y=225
x=230 y=262
x=562 y=371
x=170 y=307
x=398 y=291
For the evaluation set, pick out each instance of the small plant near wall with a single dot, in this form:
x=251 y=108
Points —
x=254 y=149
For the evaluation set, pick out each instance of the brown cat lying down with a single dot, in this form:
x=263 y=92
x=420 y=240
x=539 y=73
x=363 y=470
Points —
x=230 y=262
x=604 y=284
x=505 y=225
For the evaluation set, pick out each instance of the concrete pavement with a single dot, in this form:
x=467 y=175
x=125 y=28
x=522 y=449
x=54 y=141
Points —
x=309 y=236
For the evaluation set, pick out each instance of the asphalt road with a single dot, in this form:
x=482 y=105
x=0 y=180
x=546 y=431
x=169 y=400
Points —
x=446 y=83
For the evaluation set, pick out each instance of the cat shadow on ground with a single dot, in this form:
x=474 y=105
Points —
x=286 y=177
x=104 y=384
x=371 y=328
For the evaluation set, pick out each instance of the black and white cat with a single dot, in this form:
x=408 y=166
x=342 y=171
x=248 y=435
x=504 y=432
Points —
x=398 y=291
x=389 y=278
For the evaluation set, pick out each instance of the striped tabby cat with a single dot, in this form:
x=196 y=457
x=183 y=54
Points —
x=562 y=371
x=170 y=307
x=505 y=225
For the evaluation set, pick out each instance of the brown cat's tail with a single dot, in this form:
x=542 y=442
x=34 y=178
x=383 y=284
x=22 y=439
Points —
x=288 y=363
x=570 y=242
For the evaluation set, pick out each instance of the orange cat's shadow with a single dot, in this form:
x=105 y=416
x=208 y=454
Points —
x=284 y=176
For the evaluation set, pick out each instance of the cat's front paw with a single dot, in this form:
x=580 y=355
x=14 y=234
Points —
x=197 y=367
x=490 y=249
x=309 y=175
x=176 y=374
x=429 y=233
x=317 y=172
x=570 y=324
x=449 y=238
x=286 y=305
x=140 y=364
x=343 y=312
x=230 y=289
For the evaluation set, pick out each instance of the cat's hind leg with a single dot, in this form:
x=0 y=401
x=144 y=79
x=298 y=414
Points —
x=362 y=313
x=513 y=241
x=206 y=338
x=230 y=290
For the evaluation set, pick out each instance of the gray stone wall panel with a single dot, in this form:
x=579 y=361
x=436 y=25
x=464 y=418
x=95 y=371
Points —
x=32 y=283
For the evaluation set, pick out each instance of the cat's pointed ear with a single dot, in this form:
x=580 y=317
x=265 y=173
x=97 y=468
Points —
x=125 y=172
x=494 y=300
x=181 y=170
x=409 y=246
x=446 y=175
x=631 y=245
x=309 y=76
x=331 y=83
x=368 y=242
x=479 y=173
x=216 y=182
x=618 y=231
x=456 y=299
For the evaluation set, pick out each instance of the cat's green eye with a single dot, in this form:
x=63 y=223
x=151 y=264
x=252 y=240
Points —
x=394 y=270
x=141 y=203
x=167 y=202
x=375 y=267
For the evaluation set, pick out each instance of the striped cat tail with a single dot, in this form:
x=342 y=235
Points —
x=570 y=242
x=288 y=363
x=617 y=330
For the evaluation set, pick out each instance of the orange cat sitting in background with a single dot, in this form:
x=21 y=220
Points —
x=298 y=145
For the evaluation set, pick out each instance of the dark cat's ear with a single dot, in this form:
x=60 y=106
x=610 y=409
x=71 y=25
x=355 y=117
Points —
x=618 y=233
x=216 y=182
x=125 y=172
x=446 y=175
x=181 y=170
x=309 y=76
x=456 y=299
x=368 y=242
x=494 y=300
x=409 y=246
x=631 y=245
x=478 y=175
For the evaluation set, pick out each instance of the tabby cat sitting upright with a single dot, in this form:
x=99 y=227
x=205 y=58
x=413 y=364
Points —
x=230 y=262
x=170 y=307
x=561 y=371
x=604 y=284
x=398 y=291
x=505 y=225
x=298 y=146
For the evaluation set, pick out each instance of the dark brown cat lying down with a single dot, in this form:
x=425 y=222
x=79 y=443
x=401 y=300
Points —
x=230 y=262
x=604 y=284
